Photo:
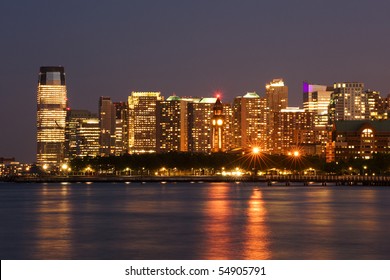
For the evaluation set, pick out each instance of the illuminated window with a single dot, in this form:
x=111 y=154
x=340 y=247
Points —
x=367 y=133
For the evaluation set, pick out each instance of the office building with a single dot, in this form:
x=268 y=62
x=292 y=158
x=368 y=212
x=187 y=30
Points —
x=316 y=99
x=51 y=116
x=74 y=118
x=107 y=114
x=121 y=128
x=88 y=137
x=348 y=102
x=142 y=114
x=276 y=93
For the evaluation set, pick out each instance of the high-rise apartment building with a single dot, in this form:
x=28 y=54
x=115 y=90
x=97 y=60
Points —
x=228 y=125
x=200 y=113
x=375 y=105
x=51 y=115
x=107 y=115
x=121 y=128
x=276 y=94
x=293 y=127
x=170 y=124
x=348 y=102
x=143 y=121
x=386 y=106
x=250 y=122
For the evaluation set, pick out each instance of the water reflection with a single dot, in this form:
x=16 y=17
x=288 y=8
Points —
x=235 y=224
x=193 y=221
x=217 y=224
x=256 y=244
x=53 y=229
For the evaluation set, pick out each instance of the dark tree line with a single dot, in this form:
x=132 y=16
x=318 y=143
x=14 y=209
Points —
x=379 y=164
x=187 y=161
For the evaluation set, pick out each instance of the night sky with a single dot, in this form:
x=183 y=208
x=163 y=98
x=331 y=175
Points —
x=191 y=48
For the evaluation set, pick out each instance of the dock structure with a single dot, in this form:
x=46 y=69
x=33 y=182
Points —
x=324 y=180
x=270 y=180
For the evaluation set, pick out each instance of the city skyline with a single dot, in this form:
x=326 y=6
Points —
x=148 y=124
x=192 y=49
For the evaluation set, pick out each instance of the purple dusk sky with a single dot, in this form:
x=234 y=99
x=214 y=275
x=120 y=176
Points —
x=191 y=48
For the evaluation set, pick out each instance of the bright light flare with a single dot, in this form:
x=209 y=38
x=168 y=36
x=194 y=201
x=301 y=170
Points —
x=256 y=150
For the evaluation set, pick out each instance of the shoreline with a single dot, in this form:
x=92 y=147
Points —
x=269 y=179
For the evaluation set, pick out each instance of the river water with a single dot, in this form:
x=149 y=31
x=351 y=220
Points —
x=193 y=221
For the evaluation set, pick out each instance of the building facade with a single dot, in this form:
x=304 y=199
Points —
x=51 y=116
x=121 y=128
x=142 y=128
x=360 y=139
x=376 y=106
x=316 y=99
x=250 y=116
x=276 y=93
x=171 y=125
x=200 y=113
x=74 y=119
x=107 y=116
x=348 y=102
x=88 y=137
x=293 y=128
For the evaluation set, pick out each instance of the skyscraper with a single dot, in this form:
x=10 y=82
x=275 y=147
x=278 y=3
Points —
x=107 y=115
x=316 y=99
x=75 y=119
x=250 y=121
x=348 y=102
x=172 y=126
x=51 y=115
x=199 y=125
x=375 y=105
x=276 y=94
x=143 y=121
x=293 y=127
x=121 y=128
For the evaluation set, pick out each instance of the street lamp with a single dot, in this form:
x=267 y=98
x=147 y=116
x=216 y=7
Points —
x=65 y=168
x=255 y=154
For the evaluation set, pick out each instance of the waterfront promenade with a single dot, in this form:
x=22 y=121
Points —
x=305 y=180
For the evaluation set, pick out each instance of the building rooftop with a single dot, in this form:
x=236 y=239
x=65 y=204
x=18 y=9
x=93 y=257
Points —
x=208 y=100
x=251 y=95
x=173 y=98
x=380 y=125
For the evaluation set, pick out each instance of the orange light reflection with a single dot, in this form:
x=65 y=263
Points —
x=53 y=234
x=256 y=245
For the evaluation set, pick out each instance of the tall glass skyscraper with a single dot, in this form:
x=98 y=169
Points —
x=51 y=116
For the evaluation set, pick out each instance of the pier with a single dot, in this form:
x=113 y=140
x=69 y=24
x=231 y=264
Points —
x=270 y=180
